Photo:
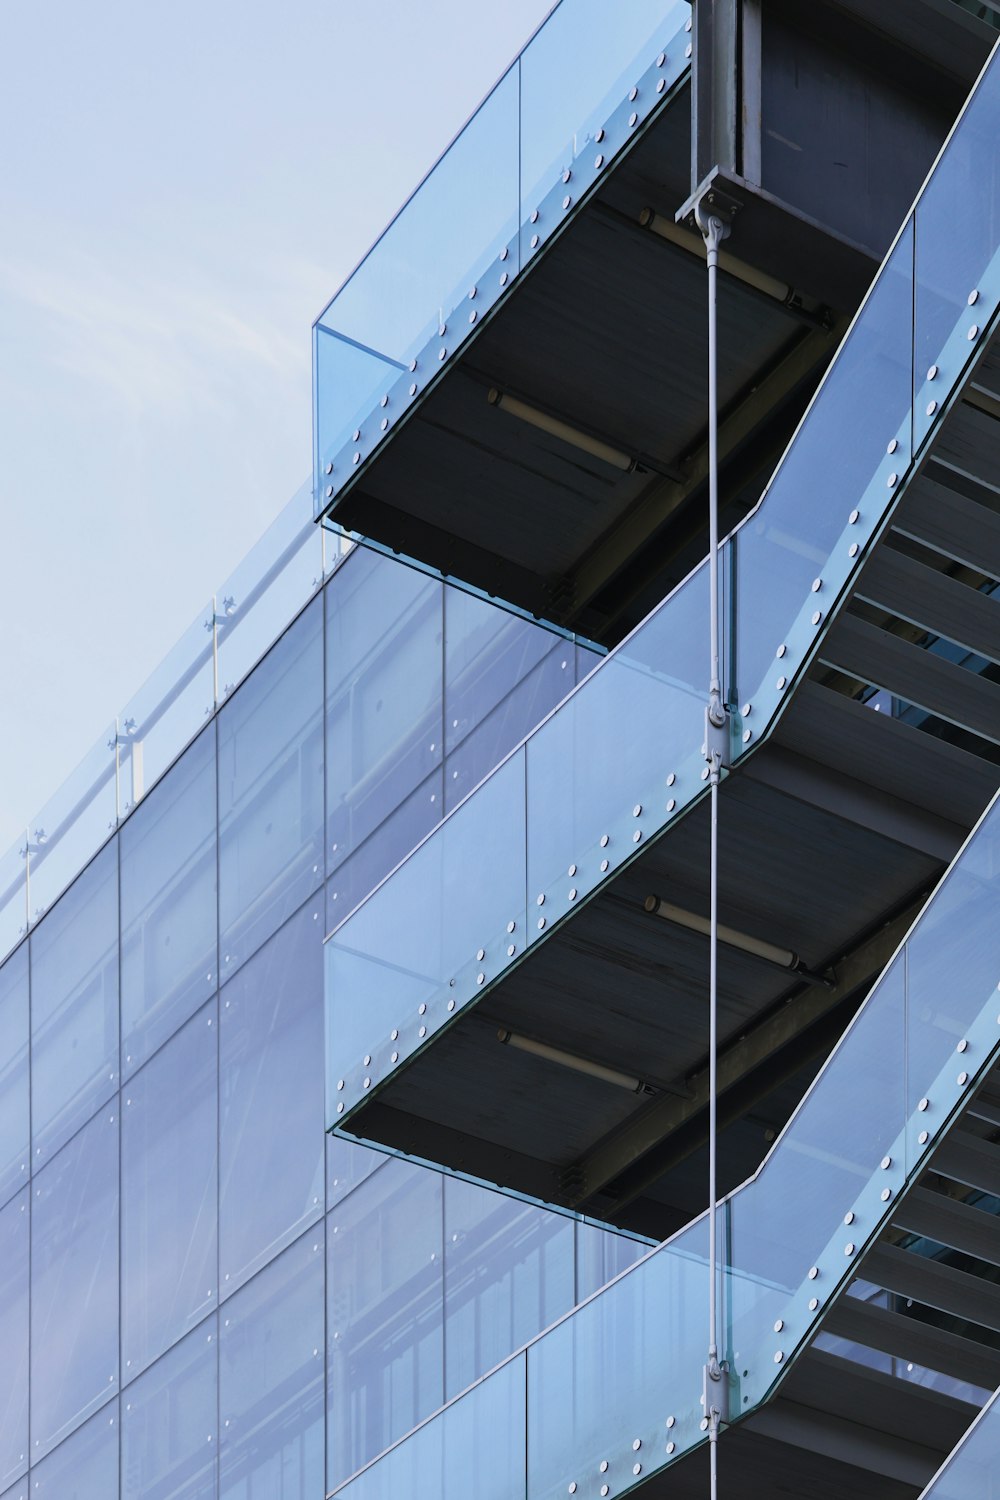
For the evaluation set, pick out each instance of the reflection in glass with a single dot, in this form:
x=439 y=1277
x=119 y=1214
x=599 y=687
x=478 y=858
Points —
x=347 y=1165
x=169 y=1428
x=271 y=1379
x=74 y=1005
x=271 y=1102
x=85 y=1466
x=271 y=791
x=14 y=1118
x=168 y=913
x=508 y=1272
x=384 y=1326
x=14 y=1244
x=169 y=1187
x=602 y=1255
x=74 y=1283
x=383 y=694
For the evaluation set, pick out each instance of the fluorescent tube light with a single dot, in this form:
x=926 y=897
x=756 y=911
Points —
x=558 y=429
x=577 y=1064
x=770 y=952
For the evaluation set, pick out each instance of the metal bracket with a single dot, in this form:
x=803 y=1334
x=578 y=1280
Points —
x=708 y=201
x=716 y=746
x=715 y=1394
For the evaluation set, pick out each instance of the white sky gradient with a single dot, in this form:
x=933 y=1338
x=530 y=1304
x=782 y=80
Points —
x=182 y=188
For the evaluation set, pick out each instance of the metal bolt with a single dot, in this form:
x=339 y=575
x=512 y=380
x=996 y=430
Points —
x=886 y=1163
x=340 y=1107
x=633 y=93
x=813 y=1272
x=854 y=518
x=892 y=481
x=535 y=241
x=384 y=423
x=886 y=1194
x=853 y=550
x=962 y=1080
x=605 y=840
x=671 y=779
x=368 y=1083
x=540 y=899
x=923 y=1105
x=637 y=1468
x=394 y=1035
x=356 y=459
x=931 y=408
x=813 y=1303
x=599 y=135
x=817 y=616
x=778 y=1356
x=923 y=1137
x=451 y=1005
x=357 y=434
x=367 y=1062
x=671 y=805
x=473 y=315
x=422 y=1031
x=636 y=1444
x=541 y=923
x=781 y=651
x=892 y=445
x=422 y=1009
x=705 y=774
x=571 y=871
x=671 y=1421
x=932 y=372
x=604 y=866
x=849 y=1216
x=973 y=332
x=661 y=59
x=747 y=736
x=637 y=836
x=849 y=1248
x=340 y=1084
x=599 y=161
x=480 y=978
x=746 y=710
x=661 y=85
x=413 y=365
x=603 y=1466
x=963 y=1045
x=394 y=1057
x=637 y=809
x=817 y=584
x=504 y=278
x=671 y=1447
x=689 y=50
x=781 y=684
x=511 y=950
x=779 y=1325
x=572 y=1488
x=481 y=954
x=504 y=252
x=572 y=894
x=511 y=926
x=633 y=119
x=329 y=468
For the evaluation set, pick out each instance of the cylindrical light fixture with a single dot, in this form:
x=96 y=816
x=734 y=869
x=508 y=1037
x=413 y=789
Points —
x=556 y=428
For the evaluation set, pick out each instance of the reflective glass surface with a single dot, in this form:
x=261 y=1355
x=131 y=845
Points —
x=621 y=1378
x=168 y=711
x=168 y=894
x=347 y=1165
x=271 y=791
x=793 y=552
x=473 y=1450
x=972 y=1469
x=74 y=823
x=957 y=264
x=416 y=283
x=85 y=1466
x=271 y=1099
x=508 y=1271
x=601 y=1256
x=458 y=912
x=74 y=1283
x=74 y=1006
x=13 y=895
x=169 y=1424
x=169 y=1193
x=384 y=633
x=15 y=1127
x=14 y=1250
x=271 y=1379
x=384 y=1313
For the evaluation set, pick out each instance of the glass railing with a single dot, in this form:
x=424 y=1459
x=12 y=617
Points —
x=973 y=1469
x=577 y=94
x=612 y=1391
x=621 y=758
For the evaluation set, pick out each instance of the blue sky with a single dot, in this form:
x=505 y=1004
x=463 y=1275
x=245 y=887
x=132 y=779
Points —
x=181 y=189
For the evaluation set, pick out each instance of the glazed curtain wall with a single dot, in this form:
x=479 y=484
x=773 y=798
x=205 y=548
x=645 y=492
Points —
x=209 y=1297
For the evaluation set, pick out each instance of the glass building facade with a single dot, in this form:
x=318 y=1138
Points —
x=203 y=1293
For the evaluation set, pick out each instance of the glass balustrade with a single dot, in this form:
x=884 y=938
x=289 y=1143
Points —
x=575 y=96
x=613 y=1389
x=974 y=1467
x=621 y=758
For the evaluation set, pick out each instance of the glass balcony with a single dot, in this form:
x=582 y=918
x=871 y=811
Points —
x=621 y=759
x=585 y=86
x=972 y=1469
x=613 y=1390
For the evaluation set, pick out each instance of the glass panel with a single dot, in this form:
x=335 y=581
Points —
x=445 y=912
x=270 y=586
x=620 y=1380
x=513 y=717
x=575 y=71
x=391 y=842
x=972 y=1469
x=384 y=1326
x=15 y=1127
x=169 y=1193
x=587 y=803
x=838 y=1152
x=508 y=1272
x=271 y=1103
x=85 y=1466
x=801 y=533
x=271 y=1379
x=74 y=1006
x=347 y=1165
x=13 y=895
x=74 y=1283
x=14 y=1247
x=383 y=695
x=169 y=1427
x=168 y=905
x=952 y=964
x=601 y=1256
x=167 y=712
x=73 y=824
x=957 y=260
x=418 y=280
x=474 y=1450
x=488 y=652
x=271 y=791
x=18 y=1491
